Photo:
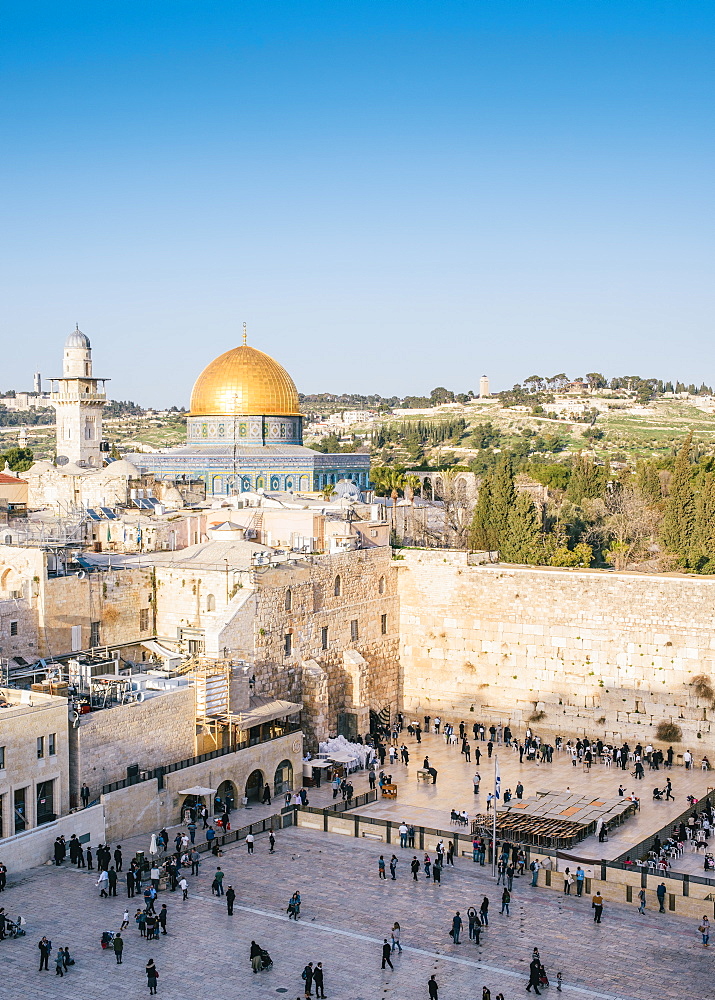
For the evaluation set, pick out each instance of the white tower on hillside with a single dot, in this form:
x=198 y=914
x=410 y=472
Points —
x=484 y=387
x=78 y=400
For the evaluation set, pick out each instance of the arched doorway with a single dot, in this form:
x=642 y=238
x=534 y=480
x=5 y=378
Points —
x=254 y=786
x=283 y=778
x=225 y=797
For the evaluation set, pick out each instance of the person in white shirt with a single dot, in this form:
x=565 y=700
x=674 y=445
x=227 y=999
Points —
x=184 y=886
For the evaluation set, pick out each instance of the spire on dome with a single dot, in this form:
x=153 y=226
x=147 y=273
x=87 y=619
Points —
x=245 y=335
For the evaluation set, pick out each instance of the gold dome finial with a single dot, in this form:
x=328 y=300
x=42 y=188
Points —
x=245 y=335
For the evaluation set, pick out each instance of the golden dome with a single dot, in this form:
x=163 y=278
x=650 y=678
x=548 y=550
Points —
x=244 y=381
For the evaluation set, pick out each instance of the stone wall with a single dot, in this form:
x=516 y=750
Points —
x=143 y=807
x=155 y=732
x=595 y=651
x=35 y=847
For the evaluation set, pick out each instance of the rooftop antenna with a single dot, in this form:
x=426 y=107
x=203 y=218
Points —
x=245 y=335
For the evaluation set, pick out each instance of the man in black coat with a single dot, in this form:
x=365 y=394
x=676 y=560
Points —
x=386 y=953
x=534 y=973
x=318 y=981
x=230 y=900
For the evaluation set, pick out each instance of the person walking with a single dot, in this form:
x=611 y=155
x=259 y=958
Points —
x=396 y=930
x=318 y=981
x=45 y=946
x=218 y=882
x=597 y=904
x=433 y=988
x=414 y=868
x=249 y=842
x=152 y=975
x=102 y=884
x=125 y=921
x=118 y=945
x=456 y=927
x=184 y=886
x=230 y=900
x=641 y=901
x=271 y=841
x=112 y=879
x=386 y=953
x=505 y=900
x=660 y=893
x=381 y=867
x=130 y=883
x=484 y=911
x=704 y=929
x=534 y=976
x=60 y=963
x=393 y=867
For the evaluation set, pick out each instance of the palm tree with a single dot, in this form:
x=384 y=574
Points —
x=411 y=485
x=328 y=492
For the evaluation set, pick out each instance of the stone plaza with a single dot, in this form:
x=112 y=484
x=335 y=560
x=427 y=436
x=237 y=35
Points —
x=347 y=911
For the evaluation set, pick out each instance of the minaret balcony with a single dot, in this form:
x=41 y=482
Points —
x=78 y=397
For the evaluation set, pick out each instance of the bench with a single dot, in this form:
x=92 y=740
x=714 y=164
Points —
x=423 y=774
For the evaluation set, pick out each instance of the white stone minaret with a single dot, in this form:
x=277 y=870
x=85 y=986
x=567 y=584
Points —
x=78 y=400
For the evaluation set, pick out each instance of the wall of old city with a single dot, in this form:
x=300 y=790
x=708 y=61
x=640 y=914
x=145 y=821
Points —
x=302 y=601
x=595 y=651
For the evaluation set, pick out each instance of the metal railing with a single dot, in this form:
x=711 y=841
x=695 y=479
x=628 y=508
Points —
x=159 y=772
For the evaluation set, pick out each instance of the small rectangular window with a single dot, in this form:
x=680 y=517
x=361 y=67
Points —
x=324 y=637
x=288 y=644
x=94 y=633
x=2 y=758
x=16 y=594
x=13 y=628
x=40 y=747
x=354 y=633
x=383 y=624
x=52 y=744
x=143 y=619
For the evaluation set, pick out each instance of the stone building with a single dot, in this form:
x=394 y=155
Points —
x=78 y=400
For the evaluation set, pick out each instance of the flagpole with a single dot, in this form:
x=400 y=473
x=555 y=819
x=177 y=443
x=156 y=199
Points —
x=494 y=820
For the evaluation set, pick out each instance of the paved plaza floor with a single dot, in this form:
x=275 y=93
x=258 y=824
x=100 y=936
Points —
x=346 y=913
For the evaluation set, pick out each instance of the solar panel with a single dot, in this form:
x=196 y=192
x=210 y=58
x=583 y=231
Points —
x=93 y=514
x=152 y=501
x=108 y=513
x=145 y=505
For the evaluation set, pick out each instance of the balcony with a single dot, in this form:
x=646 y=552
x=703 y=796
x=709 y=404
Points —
x=78 y=397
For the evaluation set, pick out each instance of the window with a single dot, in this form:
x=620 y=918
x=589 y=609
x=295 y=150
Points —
x=324 y=637
x=16 y=594
x=13 y=628
x=2 y=758
x=287 y=644
x=210 y=602
x=383 y=624
x=143 y=619
x=52 y=744
x=20 y=807
x=338 y=586
x=354 y=633
x=381 y=586
x=94 y=633
x=40 y=747
x=45 y=802
x=289 y=600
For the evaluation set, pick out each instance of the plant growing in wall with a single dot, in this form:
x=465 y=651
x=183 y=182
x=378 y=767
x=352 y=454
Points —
x=702 y=687
x=668 y=732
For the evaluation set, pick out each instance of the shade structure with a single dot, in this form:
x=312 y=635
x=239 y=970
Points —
x=197 y=790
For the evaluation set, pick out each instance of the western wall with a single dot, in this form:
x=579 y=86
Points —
x=566 y=651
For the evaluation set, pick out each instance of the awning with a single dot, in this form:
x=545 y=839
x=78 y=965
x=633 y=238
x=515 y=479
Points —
x=162 y=651
x=268 y=712
x=198 y=790
x=342 y=757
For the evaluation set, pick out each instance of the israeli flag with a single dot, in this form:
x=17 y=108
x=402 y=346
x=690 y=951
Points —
x=497 y=781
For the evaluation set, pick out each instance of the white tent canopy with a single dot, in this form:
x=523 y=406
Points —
x=198 y=790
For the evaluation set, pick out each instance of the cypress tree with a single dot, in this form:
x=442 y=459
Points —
x=677 y=529
x=648 y=482
x=521 y=544
x=481 y=533
x=502 y=498
x=704 y=542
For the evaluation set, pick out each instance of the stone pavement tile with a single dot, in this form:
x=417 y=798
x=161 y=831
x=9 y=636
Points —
x=346 y=913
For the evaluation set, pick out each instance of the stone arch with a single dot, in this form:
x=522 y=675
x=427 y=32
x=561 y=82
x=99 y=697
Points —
x=460 y=488
x=288 y=603
x=210 y=602
x=382 y=585
x=226 y=796
x=283 y=778
x=254 y=786
x=427 y=489
x=337 y=586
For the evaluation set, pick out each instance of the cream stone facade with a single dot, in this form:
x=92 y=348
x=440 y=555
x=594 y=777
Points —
x=78 y=401
x=594 y=651
x=34 y=760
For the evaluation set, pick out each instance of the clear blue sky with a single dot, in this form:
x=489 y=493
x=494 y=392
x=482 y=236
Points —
x=394 y=195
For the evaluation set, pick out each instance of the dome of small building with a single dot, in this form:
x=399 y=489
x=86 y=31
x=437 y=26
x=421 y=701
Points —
x=77 y=339
x=346 y=489
x=244 y=381
x=121 y=468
